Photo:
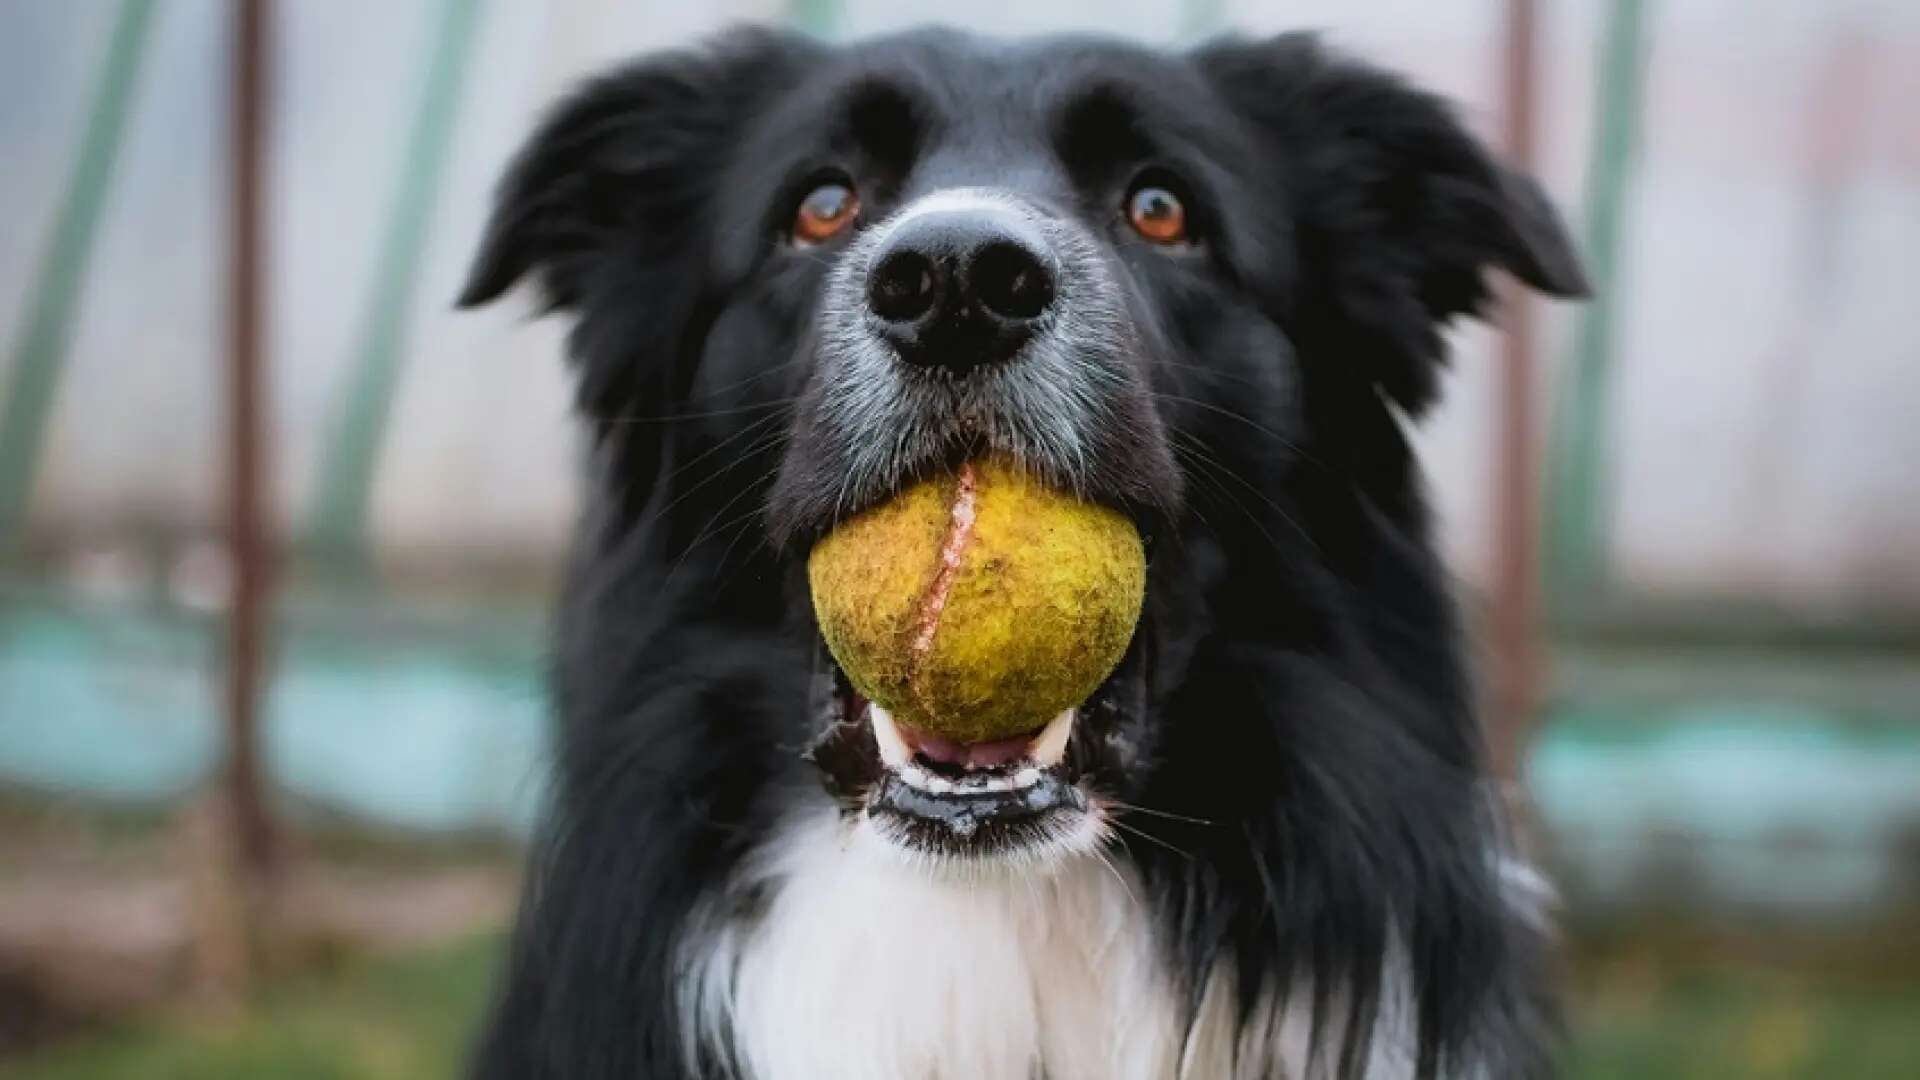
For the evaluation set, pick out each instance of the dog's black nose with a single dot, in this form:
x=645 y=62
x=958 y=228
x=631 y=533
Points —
x=959 y=289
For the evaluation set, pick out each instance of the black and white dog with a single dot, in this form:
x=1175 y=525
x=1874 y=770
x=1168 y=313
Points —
x=1206 y=288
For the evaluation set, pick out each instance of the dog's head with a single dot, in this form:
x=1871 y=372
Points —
x=1203 y=288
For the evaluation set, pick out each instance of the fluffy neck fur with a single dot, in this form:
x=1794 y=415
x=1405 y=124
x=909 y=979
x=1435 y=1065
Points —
x=856 y=965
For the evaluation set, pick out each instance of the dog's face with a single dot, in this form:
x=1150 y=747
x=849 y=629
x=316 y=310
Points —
x=1196 y=287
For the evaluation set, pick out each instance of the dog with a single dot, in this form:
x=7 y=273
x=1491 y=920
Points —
x=1204 y=288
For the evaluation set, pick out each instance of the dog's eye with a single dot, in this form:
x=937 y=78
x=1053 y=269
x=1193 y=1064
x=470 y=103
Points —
x=827 y=209
x=1157 y=214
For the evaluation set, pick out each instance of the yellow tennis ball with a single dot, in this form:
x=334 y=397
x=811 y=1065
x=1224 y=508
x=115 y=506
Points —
x=978 y=605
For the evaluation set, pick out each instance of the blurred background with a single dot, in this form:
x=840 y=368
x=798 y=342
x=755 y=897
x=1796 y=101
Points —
x=278 y=528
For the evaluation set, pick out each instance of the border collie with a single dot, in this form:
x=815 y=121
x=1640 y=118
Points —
x=1205 y=288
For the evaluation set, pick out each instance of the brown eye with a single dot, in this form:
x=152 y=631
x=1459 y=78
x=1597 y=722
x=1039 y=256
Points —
x=1156 y=214
x=825 y=211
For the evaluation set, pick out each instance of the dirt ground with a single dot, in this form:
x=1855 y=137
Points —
x=105 y=914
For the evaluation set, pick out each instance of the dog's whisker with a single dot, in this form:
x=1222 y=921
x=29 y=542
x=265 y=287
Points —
x=737 y=436
x=1205 y=471
x=701 y=536
x=739 y=528
x=1212 y=372
x=765 y=442
x=715 y=414
x=1106 y=860
x=1150 y=838
x=738 y=384
x=1222 y=410
x=1260 y=868
x=1197 y=453
x=1170 y=816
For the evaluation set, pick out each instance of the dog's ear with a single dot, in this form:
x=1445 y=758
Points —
x=1397 y=210
x=609 y=208
x=621 y=169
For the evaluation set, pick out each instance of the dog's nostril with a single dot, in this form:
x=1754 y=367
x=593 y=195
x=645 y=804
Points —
x=1010 y=282
x=958 y=289
x=903 y=287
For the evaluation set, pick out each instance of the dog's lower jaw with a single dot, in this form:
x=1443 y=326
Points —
x=856 y=964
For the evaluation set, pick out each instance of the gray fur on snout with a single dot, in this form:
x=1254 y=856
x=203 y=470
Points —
x=1049 y=407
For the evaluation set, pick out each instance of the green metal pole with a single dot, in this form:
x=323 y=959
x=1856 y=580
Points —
x=1577 y=499
x=339 y=525
x=33 y=376
x=821 y=18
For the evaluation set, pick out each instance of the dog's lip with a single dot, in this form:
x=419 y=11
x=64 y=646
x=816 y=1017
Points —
x=971 y=792
x=1016 y=781
x=901 y=746
x=1003 y=804
x=968 y=812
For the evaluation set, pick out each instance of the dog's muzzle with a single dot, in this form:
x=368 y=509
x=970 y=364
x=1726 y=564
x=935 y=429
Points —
x=972 y=322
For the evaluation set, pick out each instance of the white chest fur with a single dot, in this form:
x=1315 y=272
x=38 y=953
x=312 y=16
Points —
x=861 y=967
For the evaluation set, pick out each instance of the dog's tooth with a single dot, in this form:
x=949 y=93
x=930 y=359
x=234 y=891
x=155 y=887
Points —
x=1026 y=778
x=939 y=785
x=999 y=783
x=894 y=750
x=1050 y=748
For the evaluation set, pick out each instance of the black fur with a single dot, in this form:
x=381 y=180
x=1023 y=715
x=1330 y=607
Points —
x=1307 y=699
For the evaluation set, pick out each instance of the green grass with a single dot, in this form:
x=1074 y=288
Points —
x=396 y=1019
x=410 y=1018
x=1758 y=1026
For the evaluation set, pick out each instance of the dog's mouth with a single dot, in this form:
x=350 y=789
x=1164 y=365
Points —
x=932 y=796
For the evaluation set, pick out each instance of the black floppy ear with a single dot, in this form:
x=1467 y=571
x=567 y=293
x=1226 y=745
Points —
x=1397 y=210
x=622 y=167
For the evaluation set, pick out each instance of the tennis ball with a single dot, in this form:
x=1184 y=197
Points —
x=978 y=605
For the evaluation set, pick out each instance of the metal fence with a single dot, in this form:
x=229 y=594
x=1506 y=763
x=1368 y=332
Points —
x=1732 y=515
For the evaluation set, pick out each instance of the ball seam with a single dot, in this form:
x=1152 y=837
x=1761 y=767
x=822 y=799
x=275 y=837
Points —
x=962 y=513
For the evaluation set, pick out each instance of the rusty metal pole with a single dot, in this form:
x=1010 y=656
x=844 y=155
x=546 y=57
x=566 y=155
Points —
x=247 y=466
x=1514 y=617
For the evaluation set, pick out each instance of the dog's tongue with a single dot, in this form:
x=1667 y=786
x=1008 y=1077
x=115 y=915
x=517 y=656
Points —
x=980 y=755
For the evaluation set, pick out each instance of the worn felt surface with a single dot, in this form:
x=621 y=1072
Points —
x=1037 y=611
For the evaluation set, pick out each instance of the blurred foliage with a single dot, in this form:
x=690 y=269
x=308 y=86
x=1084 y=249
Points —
x=411 y=1017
